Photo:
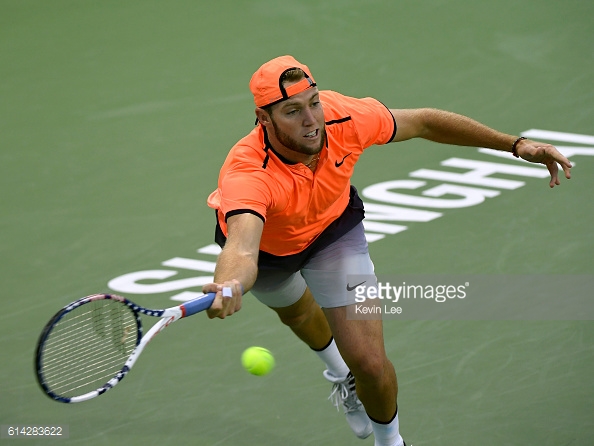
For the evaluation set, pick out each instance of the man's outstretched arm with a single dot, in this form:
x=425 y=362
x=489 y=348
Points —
x=237 y=265
x=451 y=128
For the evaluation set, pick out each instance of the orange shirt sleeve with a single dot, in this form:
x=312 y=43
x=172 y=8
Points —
x=373 y=120
x=241 y=191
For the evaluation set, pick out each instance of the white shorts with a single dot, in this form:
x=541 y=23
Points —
x=325 y=273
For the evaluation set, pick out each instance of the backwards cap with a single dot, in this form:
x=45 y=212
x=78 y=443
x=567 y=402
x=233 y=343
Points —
x=266 y=85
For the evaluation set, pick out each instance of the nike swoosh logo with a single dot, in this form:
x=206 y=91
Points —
x=351 y=288
x=337 y=164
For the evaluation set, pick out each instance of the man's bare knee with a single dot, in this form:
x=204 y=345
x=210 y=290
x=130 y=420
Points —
x=297 y=317
x=370 y=368
x=300 y=312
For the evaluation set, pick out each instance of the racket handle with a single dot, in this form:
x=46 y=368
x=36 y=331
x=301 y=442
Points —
x=197 y=305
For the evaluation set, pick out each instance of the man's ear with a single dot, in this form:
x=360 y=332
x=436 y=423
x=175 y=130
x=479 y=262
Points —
x=262 y=116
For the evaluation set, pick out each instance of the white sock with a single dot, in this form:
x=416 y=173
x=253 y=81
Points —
x=334 y=362
x=387 y=434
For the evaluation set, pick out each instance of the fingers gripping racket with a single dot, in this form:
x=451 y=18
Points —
x=90 y=345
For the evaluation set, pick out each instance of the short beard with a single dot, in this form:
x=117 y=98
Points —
x=295 y=146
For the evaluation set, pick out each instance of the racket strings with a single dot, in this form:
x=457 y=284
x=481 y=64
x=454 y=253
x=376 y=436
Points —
x=71 y=371
x=88 y=346
x=62 y=339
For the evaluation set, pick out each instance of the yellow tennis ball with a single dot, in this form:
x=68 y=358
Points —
x=257 y=360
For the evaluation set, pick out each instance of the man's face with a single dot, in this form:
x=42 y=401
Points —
x=298 y=122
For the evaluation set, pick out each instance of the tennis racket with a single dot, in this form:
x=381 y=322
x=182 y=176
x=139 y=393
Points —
x=90 y=345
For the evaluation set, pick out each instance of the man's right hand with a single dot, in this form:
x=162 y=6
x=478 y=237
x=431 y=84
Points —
x=228 y=298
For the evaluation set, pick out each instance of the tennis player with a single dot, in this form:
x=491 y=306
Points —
x=290 y=223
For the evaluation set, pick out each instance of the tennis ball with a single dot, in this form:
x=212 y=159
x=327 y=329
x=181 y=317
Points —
x=257 y=360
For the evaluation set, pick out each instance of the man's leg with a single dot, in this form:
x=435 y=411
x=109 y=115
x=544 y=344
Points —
x=288 y=295
x=307 y=320
x=361 y=344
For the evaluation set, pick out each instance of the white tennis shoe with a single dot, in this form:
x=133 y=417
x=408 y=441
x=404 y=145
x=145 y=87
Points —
x=344 y=394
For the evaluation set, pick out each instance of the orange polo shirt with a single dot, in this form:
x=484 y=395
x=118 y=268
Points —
x=295 y=203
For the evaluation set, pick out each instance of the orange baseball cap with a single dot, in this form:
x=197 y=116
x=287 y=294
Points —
x=266 y=86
